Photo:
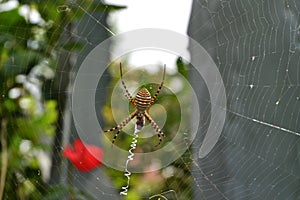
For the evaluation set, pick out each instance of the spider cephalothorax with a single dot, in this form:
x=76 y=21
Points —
x=141 y=102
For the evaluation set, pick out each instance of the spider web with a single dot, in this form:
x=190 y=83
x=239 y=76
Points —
x=255 y=45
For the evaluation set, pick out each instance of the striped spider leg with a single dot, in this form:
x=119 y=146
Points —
x=142 y=102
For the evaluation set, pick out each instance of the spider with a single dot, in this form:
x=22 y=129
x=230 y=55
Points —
x=142 y=102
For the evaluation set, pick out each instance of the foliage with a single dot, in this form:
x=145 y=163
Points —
x=28 y=121
x=29 y=50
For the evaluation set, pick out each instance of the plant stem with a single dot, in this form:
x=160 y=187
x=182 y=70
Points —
x=70 y=181
x=4 y=157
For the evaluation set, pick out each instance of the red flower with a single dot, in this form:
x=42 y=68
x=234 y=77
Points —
x=85 y=157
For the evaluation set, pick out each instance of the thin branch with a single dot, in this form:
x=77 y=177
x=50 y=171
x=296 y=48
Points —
x=4 y=156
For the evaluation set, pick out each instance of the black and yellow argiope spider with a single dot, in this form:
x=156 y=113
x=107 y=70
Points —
x=142 y=102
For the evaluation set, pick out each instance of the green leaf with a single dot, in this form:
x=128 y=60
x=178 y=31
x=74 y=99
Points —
x=10 y=105
x=182 y=67
x=9 y=19
x=20 y=61
x=51 y=111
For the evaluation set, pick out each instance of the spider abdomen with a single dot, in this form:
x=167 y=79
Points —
x=142 y=100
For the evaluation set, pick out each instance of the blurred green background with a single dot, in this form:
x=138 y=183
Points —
x=36 y=70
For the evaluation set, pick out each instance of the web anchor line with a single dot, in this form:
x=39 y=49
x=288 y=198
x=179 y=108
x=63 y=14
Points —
x=267 y=124
x=92 y=17
x=130 y=157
